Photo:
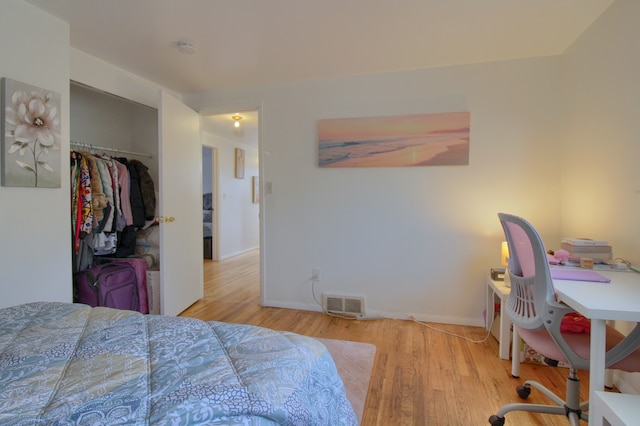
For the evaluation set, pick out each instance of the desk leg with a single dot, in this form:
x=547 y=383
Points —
x=490 y=308
x=597 y=367
x=505 y=333
x=515 y=354
x=608 y=377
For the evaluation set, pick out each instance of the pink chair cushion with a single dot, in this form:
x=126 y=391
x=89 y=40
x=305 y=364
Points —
x=541 y=341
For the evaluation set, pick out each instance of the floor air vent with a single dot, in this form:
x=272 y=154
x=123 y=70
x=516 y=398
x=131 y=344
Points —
x=347 y=305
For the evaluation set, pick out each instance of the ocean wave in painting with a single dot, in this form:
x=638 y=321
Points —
x=405 y=141
x=439 y=149
x=333 y=152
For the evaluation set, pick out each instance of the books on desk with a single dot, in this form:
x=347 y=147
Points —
x=597 y=250
x=583 y=242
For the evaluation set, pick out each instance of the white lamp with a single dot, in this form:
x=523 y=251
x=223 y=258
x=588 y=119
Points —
x=504 y=258
x=236 y=120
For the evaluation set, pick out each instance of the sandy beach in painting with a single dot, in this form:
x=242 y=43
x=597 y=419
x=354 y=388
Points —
x=425 y=140
x=393 y=155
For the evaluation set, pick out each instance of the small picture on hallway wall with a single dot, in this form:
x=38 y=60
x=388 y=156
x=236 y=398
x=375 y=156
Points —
x=30 y=129
x=397 y=141
x=256 y=190
x=239 y=163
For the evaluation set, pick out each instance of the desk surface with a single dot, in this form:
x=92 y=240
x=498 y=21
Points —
x=617 y=300
x=499 y=286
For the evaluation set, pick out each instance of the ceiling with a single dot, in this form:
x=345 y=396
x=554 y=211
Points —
x=222 y=125
x=244 y=43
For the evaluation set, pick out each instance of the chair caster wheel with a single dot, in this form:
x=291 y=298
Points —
x=496 y=421
x=524 y=391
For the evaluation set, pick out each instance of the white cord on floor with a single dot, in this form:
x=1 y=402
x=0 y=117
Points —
x=453 y=334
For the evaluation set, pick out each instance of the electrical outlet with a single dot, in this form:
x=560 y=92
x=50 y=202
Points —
x=315 y=274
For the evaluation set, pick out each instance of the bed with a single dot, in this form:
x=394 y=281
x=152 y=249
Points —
x=70 y=364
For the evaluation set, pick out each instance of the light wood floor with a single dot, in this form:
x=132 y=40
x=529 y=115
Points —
x=420 y=376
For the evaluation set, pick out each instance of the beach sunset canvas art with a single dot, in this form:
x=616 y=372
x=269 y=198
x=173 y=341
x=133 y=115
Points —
x=399 y=141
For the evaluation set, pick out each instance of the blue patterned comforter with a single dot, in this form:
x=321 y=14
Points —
x=69 y=364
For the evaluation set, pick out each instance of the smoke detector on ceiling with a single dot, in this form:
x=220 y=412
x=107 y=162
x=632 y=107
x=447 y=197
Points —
x=186 y=47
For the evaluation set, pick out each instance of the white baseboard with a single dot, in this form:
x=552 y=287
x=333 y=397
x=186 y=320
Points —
x=440 y=319
x=238 y=253
x=627 y=382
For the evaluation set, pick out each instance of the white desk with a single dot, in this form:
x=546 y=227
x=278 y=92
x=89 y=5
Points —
x=508 y=338
x=499 y=289
x=617 y=408
x=617 y=300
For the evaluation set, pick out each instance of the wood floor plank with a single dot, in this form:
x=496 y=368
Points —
x=421 y=376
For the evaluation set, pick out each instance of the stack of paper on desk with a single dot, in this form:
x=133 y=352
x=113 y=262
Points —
x=597 y=250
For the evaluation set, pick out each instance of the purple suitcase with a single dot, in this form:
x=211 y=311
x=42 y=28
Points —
x=140 y=266
x=113 y=285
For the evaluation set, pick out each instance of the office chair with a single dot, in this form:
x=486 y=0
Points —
x=537 y=316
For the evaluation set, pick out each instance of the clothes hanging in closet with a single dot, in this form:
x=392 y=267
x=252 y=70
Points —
x=147 y=189
x=108 y=203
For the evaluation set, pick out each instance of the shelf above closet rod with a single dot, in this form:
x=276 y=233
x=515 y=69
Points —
x=104 y=148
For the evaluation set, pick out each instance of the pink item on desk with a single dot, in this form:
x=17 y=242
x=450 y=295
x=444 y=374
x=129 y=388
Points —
x=562 y=256
x=578 y=275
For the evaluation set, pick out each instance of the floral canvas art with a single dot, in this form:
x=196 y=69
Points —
x=440 y=139
x=30 y=136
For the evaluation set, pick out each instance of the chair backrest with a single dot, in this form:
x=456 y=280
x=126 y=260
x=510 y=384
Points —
x=532 y=303
x=531 y=284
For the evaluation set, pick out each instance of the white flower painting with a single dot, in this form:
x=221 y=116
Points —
x=31 y=136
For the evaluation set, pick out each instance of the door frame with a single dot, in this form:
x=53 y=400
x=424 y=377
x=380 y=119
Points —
x=261 y=209
x=215 y=189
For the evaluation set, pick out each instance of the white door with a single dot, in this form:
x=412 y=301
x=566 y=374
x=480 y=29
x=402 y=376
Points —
x=180 y=206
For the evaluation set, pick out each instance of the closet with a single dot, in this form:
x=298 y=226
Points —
x=164 y=140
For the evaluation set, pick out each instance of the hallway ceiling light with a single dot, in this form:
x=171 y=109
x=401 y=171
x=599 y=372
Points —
x=236 y=120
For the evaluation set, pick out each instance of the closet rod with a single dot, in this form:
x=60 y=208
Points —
x=104 y=148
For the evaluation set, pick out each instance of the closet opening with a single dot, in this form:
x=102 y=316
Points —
x=165 y=139
x=114 y=182
x=106 y=126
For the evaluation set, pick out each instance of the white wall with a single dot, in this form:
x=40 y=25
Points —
x=410 y=240
x=35 y=229
x=207 y=170
x=601 y=177
x=238 y=216
x=94 y=72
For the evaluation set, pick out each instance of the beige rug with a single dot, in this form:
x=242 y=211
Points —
x=354 y=361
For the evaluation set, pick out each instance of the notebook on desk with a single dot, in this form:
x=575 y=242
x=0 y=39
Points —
x=578 y=275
